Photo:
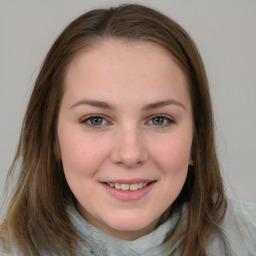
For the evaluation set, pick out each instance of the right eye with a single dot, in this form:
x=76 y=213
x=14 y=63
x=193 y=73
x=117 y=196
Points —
x=94 y=121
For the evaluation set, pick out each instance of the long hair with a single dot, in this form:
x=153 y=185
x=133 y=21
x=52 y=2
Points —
x=37 y=209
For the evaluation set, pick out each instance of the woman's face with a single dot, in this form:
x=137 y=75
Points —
x=125 y=132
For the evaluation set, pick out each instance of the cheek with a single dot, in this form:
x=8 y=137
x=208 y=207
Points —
x=173 y=154
x=81 y=155
x=172 y=159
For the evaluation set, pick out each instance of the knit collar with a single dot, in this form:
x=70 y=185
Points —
x=99 y=243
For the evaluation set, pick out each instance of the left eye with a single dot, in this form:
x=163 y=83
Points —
x=160 y=121
x=94 y=121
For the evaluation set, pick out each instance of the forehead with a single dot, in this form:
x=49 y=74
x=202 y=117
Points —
x=116 y=67
x=113 y=49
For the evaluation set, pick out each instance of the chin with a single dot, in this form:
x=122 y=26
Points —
x=132 y=223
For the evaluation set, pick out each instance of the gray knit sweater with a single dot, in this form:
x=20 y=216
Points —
x=98 y=243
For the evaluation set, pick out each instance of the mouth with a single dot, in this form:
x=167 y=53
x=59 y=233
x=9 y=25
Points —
x=129 y=190
x=128 y=187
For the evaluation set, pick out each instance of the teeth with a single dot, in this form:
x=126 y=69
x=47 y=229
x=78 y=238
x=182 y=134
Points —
x=117 y=186
x=134 y=186
x=141 y=185
x=125 y=187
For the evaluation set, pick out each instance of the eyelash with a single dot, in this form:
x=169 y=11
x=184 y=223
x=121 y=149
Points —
x=87 y=121
x=167 y=119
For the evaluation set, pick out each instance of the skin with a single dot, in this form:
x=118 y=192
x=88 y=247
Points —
x=126 y=141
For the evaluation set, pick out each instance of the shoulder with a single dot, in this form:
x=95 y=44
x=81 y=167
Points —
x=9 y=249
x=8 y=246
x=245 y=214
x=232 y=243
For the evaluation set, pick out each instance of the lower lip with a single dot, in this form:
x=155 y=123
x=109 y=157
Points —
x=128 y=195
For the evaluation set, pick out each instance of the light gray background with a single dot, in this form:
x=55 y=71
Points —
x=225 y=32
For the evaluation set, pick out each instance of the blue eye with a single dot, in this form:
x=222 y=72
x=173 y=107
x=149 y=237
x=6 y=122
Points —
x=94 y=121
x=160 y=120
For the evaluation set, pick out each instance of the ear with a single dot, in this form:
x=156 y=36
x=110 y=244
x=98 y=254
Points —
x=192 y=153
x=191 y=162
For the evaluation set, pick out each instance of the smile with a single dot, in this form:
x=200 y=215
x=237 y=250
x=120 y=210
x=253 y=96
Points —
x=126 y=187
x=129 y=190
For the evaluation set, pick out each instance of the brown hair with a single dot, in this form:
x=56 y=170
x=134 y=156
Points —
x=37 y=209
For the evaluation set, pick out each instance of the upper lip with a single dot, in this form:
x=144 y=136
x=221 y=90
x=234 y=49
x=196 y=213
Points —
x=130 y=181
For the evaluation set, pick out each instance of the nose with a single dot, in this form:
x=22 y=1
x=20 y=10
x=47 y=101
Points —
x=129 y=149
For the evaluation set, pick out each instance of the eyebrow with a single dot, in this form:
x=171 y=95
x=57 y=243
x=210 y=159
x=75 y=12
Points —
x=151 y=106
x=163 y=103
x=93 y=103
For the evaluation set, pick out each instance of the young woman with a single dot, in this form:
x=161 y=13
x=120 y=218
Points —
x=117 y=147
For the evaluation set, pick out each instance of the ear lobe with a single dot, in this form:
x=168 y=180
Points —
x=191 y=162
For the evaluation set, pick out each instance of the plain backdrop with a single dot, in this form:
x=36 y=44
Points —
x=224 y=31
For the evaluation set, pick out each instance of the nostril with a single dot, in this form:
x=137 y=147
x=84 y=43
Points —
x=128 y=152
x=129 y=164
